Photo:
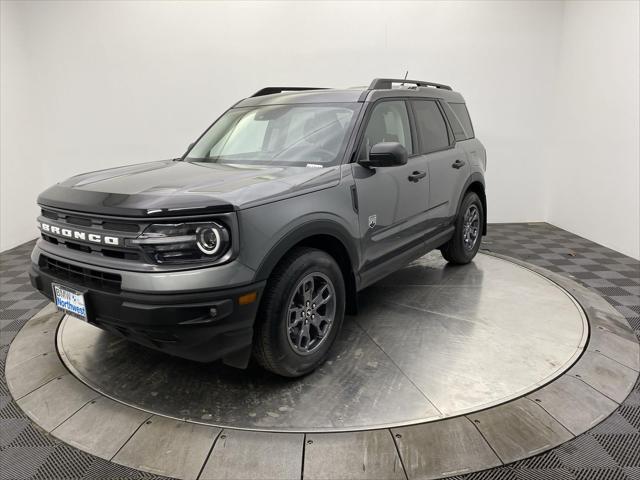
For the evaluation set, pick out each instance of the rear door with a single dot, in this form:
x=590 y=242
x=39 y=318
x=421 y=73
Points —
x=446 y=161
x=392 y=207
x=460 y=123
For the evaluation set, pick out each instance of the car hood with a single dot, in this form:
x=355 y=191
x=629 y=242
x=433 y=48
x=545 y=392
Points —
x=169 y=188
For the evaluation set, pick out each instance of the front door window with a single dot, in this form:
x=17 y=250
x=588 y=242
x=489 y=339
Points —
x=389 y=122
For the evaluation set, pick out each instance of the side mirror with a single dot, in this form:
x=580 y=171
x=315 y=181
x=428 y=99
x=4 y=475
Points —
x=386 y=154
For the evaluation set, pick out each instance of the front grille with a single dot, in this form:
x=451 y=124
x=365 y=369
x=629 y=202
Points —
x=84 y=220
x=121 y=227
x=49 y=214
x=97 y=224
x=81 y=275
x=125 y=254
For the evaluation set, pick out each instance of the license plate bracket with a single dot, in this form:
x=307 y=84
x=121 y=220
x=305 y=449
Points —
x=70 y=301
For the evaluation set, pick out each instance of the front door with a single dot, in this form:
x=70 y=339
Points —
x=392 y=201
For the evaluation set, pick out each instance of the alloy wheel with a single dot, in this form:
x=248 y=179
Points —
x=470 y=227
x=311 y=313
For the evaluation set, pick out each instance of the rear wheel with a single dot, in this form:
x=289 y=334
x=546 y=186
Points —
x=301 y=313
x=465 y=242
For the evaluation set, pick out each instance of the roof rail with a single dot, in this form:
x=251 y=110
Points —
x=271 y=90
x=386 y=83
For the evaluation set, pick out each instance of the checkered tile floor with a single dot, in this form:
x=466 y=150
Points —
x=610 y=451
x=26 y=452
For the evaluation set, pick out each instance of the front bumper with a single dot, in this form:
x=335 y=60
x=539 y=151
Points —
x=201 y=325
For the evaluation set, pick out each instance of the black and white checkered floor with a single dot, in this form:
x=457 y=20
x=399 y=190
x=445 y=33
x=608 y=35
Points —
x=610 y=451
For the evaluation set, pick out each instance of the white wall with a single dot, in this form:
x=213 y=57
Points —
x=123 y=82
x=112 y=83
x=594 y=159
x=21 y=175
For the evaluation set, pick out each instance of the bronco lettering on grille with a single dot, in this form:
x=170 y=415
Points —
x=79 y=235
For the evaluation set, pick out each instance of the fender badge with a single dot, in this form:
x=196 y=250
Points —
x=372 y=220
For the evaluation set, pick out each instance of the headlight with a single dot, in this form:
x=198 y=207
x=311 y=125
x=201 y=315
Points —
x=208 y=239
x=184 y=242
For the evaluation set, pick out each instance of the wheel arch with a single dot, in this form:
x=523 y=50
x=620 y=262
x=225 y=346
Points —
x=476 y=184
x=328 y=237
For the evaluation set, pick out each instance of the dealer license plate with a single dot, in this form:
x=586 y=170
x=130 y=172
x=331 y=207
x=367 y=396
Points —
x=70 y=301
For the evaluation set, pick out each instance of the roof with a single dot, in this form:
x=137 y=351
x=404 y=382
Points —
x=307 y=96
x=379 y=88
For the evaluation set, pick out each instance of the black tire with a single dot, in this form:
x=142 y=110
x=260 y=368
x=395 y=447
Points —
x=457 y=251
x=275 y=346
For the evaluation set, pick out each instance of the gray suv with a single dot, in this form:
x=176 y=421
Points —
x=257 y=240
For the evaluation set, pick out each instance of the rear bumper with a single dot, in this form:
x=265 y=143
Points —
x=197 y=325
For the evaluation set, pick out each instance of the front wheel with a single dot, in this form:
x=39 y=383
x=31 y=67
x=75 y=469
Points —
x=465 y=242
x=301 y=313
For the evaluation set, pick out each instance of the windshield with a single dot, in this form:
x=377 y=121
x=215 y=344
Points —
x=313 y=135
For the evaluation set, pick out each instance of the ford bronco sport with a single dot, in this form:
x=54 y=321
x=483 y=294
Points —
x=259 y=237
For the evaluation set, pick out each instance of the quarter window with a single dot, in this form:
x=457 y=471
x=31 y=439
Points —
x=456 y=126
x=389 y=122
x=460 y=109
x=431 y=126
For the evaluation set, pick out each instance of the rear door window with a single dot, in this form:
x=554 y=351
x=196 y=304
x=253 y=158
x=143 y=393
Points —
x=431 y=126
x=460 y=109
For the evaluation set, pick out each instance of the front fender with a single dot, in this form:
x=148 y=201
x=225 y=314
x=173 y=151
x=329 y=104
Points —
x=269 y=231
x=308 y=228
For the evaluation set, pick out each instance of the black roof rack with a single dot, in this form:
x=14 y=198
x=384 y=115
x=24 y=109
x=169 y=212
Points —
x=386 y=83
x=272 y=90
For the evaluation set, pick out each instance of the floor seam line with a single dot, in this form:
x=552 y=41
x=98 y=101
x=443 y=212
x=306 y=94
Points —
x=206 y=460
x=613 y=360
x=48 y=352
x=442 y=415
x=38 y=388
x=391 y=302
x=395 y=444
x=482 y=324
x=304 y=447
x=131 y=436
x=69 y=417
x=592 y=388
x=573 y=375
x=551 y=415
x=485 y=440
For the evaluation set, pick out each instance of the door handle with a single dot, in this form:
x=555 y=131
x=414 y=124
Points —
x=417 y=175
x=458 y=164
